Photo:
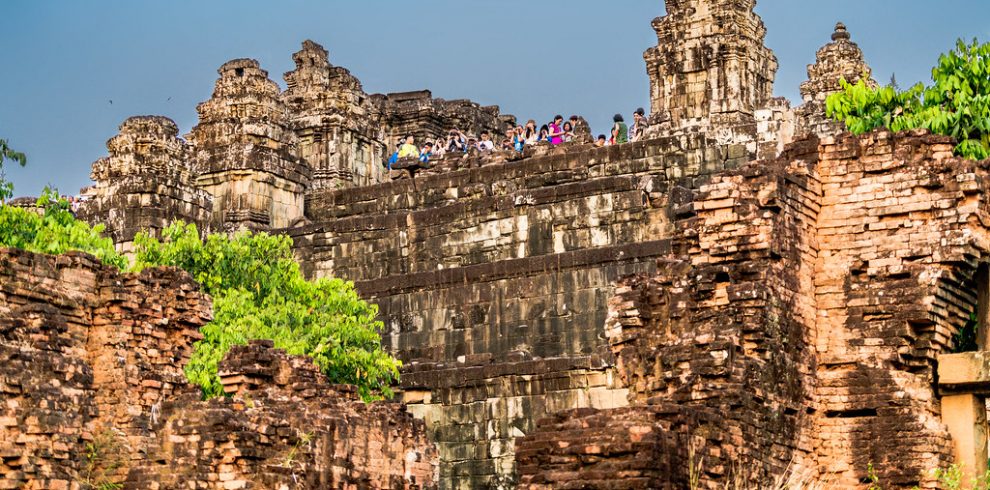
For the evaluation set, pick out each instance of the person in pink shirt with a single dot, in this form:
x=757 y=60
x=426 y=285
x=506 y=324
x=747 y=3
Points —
x=556 y=130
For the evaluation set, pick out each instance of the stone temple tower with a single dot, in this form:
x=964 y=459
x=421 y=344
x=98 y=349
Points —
x=145 y=183
x=338 y=130
x=837 y=60
x=246 y=155
x=710 y=67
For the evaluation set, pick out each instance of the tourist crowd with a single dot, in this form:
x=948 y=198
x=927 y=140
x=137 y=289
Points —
x=556 y=132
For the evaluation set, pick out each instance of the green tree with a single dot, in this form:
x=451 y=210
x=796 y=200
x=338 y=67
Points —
x=957 y=103
x=259 y=293
x=6 y=153
x=54 y=231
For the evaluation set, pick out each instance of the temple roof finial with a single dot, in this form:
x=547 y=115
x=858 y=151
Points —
x=840 y=32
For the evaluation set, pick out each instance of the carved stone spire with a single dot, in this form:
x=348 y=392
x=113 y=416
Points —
x=338 y=130
x=710 y=65
x=247 y=154
x=145 y=183
x=839 y=59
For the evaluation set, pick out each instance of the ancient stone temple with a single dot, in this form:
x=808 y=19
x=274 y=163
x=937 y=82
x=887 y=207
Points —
x=710 y=68
x=245 y=153
x=337 y=125
x=747 y=297
x=146 y=182
x=838 y=60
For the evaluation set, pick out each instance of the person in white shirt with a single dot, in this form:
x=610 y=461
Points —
x=486 y=143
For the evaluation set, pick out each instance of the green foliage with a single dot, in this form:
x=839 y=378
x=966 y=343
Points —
x=6 y=153
x=55 y=231
x=957 y=104
x=259 y=293
x=965 y=338
x=104 y=456
x=873 y=478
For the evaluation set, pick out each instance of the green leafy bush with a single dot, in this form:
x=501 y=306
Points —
x=957 y=104
x=259 y=293
x=55 y=231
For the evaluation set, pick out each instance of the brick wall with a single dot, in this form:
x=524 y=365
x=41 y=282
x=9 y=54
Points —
x=87 y=350
x=805 y=300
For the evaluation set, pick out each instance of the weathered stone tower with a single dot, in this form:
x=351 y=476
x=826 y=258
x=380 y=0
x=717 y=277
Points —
x=838 y=60
x=711 y=67
x=146 y=182
x=246 y=153
x=339 y=135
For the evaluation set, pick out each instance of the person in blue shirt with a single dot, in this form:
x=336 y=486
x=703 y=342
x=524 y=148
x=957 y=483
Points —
x=426 y=152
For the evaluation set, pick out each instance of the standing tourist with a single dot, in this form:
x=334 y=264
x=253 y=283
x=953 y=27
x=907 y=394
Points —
x=620 y=132
x=519 y=139
x=532 y=134
x=557 y=131
x=639 y=125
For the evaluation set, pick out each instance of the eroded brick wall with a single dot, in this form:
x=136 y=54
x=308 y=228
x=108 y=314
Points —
x=901 y=230
x=805 y=300
x=86 y=350
x=285 y=427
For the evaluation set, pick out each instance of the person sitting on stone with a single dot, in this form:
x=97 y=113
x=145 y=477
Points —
x=486 y=143
x=620 y=132
x=639 y=125
x=601 y=142
x=408 y=149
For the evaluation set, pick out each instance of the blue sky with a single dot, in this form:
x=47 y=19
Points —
x=65 y=60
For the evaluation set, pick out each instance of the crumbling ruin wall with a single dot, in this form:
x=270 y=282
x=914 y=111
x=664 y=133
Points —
x=285 y=427
x=493 y=282
x=86 y=351
x=805 y=300
x=902 y=227
x=713 y=346
x=92 y=391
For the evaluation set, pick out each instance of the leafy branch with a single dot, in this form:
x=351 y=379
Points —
x=957 y=104
x=6 y=153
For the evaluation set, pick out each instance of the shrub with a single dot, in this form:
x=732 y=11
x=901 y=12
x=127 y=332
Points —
x=259 y=293
x=55 y=231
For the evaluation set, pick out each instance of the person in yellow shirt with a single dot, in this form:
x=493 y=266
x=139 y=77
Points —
x=409 y=150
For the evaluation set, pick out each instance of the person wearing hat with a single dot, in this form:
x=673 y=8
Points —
x=620 y=132
x=639 y=125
